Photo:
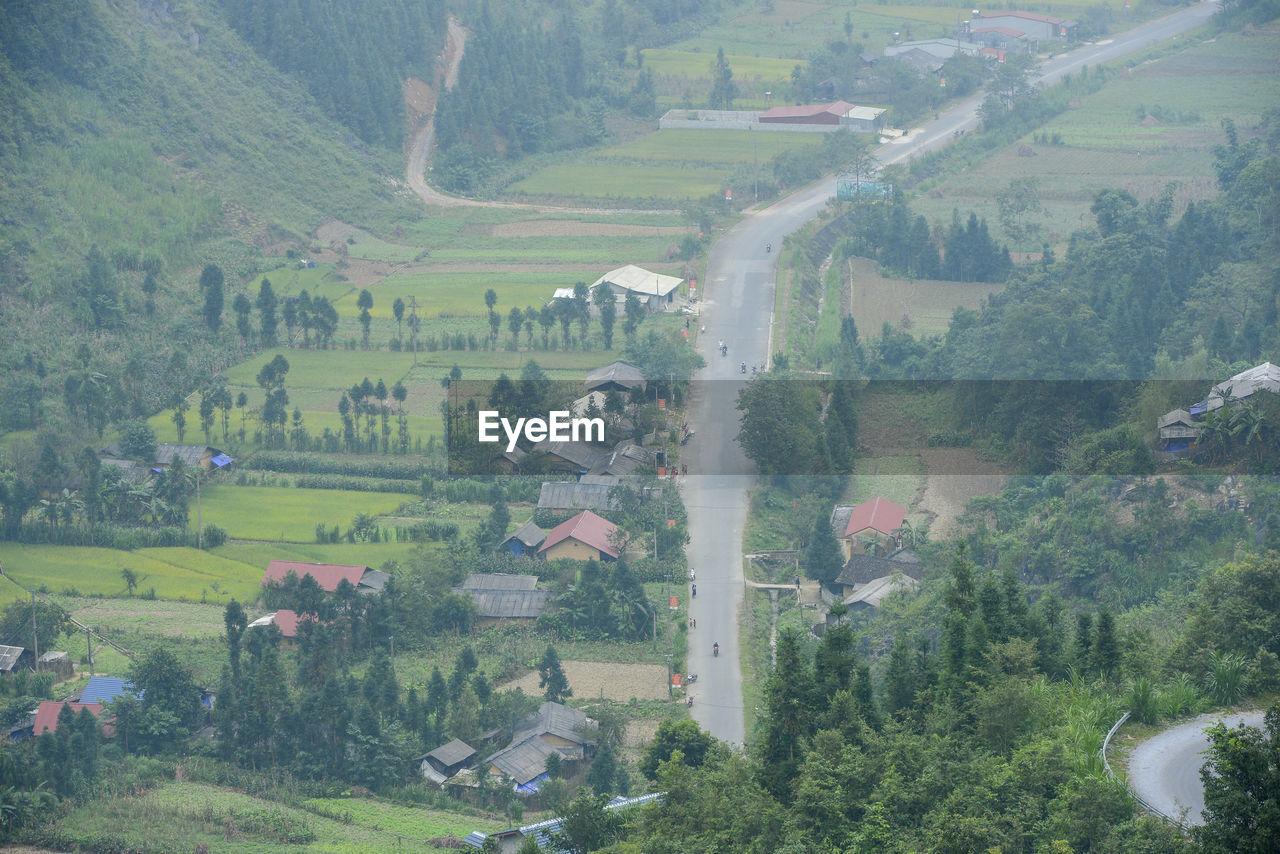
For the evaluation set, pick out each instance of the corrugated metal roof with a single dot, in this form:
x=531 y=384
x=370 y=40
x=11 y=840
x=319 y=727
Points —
x=524 y=761
x=877 y=591
x=639 y=280
x=104 y=689
x=528 y=533
x=452 y=753
x=327 y=575
x=507 y=604
x=571 y=495
x=622 y=373
x=48 y=711
x=189 y=454
x=9 y=656
x=556 y=719
x=499 y=581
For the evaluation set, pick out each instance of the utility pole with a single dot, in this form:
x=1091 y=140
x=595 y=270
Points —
x=755 y=164
x=35 y=635
x=199 y=514
x=413 y=326
x=88 y=636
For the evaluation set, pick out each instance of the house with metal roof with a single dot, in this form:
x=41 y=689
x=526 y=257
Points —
x=584 y=537
x=504 y=597
x=554 y=728
x=873 y=594
x=104 y=689
x=569 y=457
x=626 y=458
x=862 y=569
x=445 y=761
x=525 y=539
x=203 y=456
x=327 y=575
x=510 y=840
x=561 y=495
x=870 y=524
x=285 y=620
x=940 y=48
x=654 y=290
x=1033 y=25
x=14 y=658
x=46 y=719
x=621 y=377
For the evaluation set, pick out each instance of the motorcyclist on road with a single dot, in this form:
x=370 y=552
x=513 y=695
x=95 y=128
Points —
x=715 y=649
x=744 y=367
x=695 y=591
x=768 y=247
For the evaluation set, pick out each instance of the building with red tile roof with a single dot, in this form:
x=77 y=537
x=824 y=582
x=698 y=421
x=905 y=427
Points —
x=877 y=519
x=327 y=575
x=584 y=537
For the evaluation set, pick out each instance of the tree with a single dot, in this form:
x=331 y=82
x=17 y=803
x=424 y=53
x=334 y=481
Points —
x=822 y=557
x=604 y=300
x=602 y=775
x=1242 y=788
x=397 y=310
x=634 y=311
x=51 y=623
x=364 y=302
x=464 y=714
x=586 y=825
x=515 y=320
x=242 y=308
x=780 y=427
x=582 y=309
x=723 y=89
x=267 y=321
x=551 y=677
x=169 y=694
x=1018 y=203
x=211 y=280
x=130 y=579
x=1104 y=655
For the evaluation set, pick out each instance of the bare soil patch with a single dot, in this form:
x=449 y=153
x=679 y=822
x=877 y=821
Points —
x=613 y=681
x=573 y=228
x=955 y=475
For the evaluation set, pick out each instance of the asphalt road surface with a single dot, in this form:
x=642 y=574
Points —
x=1164 y=770
x=737 y=308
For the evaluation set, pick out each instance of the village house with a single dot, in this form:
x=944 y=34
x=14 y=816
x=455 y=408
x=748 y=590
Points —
x=863 y=569
x=554 y=728
x=525 y=540
x=839 y=114
x=46 y=719
x=445 y=761
x=104 y=689
x=622 y=377
x=504 y=597
x=871 y=526
x=1031 y=25
x=565 y=495
x=15 y=658
x=285 y=620
x=584 y=537
x=327 y=575
x=1181 y=428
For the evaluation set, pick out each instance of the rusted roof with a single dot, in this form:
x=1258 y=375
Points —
x=48 y=711
x=327 y=575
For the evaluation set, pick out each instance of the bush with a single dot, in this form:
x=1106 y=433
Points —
x=214 y=536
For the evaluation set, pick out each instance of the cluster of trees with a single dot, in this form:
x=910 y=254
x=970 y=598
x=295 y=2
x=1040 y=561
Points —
x=602 y=601
x=369 y=401
x=964 y=252
x=566 y=313
x=352 y=59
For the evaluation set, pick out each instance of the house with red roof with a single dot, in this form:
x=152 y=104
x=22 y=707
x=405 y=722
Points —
x=284 y=620
x=327 y=575
x=48 y=711
x=583 y=537
x=869 y=526
x=1033 y=25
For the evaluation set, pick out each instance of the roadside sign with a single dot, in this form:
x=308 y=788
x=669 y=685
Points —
x=675 y=602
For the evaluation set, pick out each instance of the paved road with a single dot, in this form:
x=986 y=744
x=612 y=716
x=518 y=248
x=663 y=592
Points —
x=1164 y=770
x=737 y=308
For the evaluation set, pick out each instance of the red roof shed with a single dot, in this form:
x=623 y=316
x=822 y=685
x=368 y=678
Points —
x=48 y=711
x=327 y=575
x=808 y=114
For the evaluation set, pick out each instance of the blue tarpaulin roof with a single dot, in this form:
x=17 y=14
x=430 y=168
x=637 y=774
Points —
x=222 y=460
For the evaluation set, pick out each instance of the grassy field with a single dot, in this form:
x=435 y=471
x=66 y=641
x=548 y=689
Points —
x=176 y=619
x=726 y=147
x=462 y=294
x=178 y=816
x=173 y=573
x=612 y=181
x=1109 y=142
x=289 y=515
x=696 y=64
x=921 y=306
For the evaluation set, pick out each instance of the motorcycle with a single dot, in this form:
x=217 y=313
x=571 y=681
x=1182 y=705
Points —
x=715 y=650
x=691 y=678
x=768 y=247
x=744 y=367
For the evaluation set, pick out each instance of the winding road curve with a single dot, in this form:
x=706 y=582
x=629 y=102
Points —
x=1164 y=770
x=738 y=307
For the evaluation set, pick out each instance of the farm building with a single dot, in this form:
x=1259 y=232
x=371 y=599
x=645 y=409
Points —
x=207 y=458
x=872 y=594
x=554 y=728
x=1036 y=27
x=622 y=377
x=654 y=290
x=626 y=458
x=14 y=658
x=1002 y=38
x=584 y=537
x=504 y=597
x=327 y=575
x=56 y=662
x=47 y=716
x=445 y=761
x=837 y=113
x=940 y=48
x=870 y=526
x=525 y=540
x=511 y=839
